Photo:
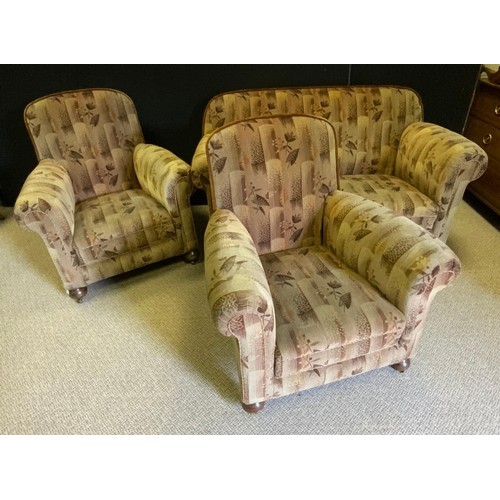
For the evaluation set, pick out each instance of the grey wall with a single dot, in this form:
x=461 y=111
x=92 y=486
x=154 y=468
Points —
x=170 y=99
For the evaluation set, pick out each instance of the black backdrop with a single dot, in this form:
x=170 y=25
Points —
x=170 y=98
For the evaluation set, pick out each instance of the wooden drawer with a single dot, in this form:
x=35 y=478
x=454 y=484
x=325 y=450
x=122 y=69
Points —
x=487 y=187
x=486 y=105
x=483 y=127
x=486 y=136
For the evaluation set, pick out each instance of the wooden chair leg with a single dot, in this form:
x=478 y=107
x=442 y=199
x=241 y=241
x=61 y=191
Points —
x=403 y=366
x=78 y=293
x=253 y=408
x=192 y=256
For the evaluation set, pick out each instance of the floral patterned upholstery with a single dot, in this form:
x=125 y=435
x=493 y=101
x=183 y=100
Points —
x=287 y=199
x=315 y=284
x=380 y=132
x=312 y=290
x=103 y=201
x=392 y=192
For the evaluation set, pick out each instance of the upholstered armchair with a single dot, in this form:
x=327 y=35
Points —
x=314 y=284
x=102 y=200
x=386 y=152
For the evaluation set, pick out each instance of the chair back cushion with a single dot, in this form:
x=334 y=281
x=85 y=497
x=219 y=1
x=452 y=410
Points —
x=92 y=133
x=368 y=121
x=274 y=174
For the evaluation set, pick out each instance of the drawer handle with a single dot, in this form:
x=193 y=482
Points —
x=487 y=139
x=497 y=109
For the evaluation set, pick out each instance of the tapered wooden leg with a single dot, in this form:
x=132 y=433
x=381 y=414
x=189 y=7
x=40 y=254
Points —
x=192 y=256
x=253 y=408
x=403 y=366
x=78 y=293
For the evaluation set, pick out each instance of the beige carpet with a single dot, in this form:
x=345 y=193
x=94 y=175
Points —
x=141 y=355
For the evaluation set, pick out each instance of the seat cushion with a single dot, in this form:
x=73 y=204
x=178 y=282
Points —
x=393 y=193
x=120 y=223
x=325 y=313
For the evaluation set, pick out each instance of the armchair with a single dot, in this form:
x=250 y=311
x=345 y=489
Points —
x=386 y=152
x=102 y=200
x=315 y=284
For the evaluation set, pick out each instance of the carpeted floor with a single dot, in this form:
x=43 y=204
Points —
x=141 y=355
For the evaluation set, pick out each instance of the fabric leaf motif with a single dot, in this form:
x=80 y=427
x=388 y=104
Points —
x=325 y=189
x=75 y=155
x=361 y=233
x=296 y=235
x=228 y=264
x=333 y=285
x=220 y=164
x=248 y=125
x=260 y=200
x=128 y=205
x=215 y=144
x=292 y=156
x=283 y=279
x=111 y=253
x=345 y=301
x=222 y=218
x=43 y=205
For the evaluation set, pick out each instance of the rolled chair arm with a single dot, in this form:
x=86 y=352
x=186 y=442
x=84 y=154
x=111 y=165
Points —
x=199 y=166
x=159 y=171
x=46 y=202
x=166 y=178
x=390 y=251
x=439 y=163
x=236 y=281
x=240 y=301
x=402 y=260
x=46 y=205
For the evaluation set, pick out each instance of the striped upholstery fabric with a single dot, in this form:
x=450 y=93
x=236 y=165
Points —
x=119 y=223
x=379 y=133
x=92 y=133
x=348 y=294
x=439 y=163
x=396 y=194
x=274 y=174
x=103 y=201
x=368 y=121
x=325 y=313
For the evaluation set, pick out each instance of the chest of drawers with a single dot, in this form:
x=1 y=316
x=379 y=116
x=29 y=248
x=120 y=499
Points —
x=483 y=127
